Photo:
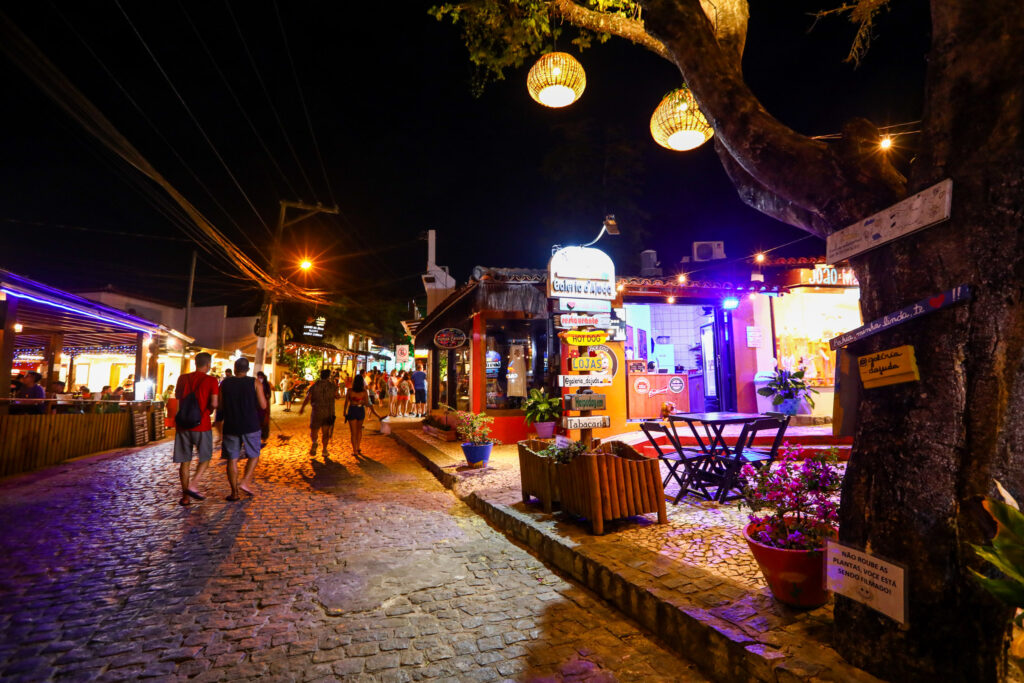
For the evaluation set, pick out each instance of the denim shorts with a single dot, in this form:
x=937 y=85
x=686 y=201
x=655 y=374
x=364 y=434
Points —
x=185 y=441
x=232 y=445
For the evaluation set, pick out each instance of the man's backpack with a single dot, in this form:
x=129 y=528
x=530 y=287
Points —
x=189 y=415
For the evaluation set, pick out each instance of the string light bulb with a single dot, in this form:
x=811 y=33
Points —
x=671 y=299
x=682 y=278
x=18 y=328
x=759 y=257
x=556 y=80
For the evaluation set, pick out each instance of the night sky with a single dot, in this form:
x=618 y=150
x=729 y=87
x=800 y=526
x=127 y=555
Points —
x=404 y=144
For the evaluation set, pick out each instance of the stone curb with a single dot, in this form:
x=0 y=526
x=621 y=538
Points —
x=717 y=635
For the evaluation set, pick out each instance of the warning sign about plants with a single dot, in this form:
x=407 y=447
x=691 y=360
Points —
x=866 y=578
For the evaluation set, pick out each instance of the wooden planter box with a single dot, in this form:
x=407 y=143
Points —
x=537 y=474
x=443 y=434
x=611 y=483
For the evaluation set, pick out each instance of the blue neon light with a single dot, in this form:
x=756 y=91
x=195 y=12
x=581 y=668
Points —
x=77 y=311
x=730 y=303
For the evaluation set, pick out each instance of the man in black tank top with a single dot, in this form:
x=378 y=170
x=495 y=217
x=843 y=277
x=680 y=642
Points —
x=241 y=399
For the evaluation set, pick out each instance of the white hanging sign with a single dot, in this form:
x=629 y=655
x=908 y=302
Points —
x=922 y=210
x=570 y=381
x=581 y=273
x=586 y=422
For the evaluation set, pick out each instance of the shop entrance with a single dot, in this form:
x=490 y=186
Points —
x=680 y=354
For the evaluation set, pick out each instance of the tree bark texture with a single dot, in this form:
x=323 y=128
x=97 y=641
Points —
x=923 y=450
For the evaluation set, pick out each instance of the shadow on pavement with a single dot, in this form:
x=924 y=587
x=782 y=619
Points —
x=328 y=475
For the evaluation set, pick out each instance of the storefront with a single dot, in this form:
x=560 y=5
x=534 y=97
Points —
x=488 y=345
x=819 y=302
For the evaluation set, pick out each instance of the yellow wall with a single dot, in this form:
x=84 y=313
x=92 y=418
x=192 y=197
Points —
x=616 y=400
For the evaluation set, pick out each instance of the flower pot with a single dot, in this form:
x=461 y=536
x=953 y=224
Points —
x=795 y=577
x=545 y=430
x=442 y=434
x=477 y=455
x=789 y=406
x=537 y=474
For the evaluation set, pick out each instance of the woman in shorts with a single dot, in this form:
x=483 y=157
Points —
x=393 y=393
x=356 y=400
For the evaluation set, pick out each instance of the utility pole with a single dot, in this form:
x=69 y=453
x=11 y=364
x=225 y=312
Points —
x=188 y=312
x=263 y=332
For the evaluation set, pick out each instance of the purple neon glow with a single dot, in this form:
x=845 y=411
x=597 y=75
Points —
x=77 y=311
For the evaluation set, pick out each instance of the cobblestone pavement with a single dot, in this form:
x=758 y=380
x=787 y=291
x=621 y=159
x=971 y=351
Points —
x=350 y=569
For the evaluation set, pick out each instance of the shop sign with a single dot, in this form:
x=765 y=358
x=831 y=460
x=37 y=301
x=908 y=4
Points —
x=572 y=381
x=934 y=303
x=636 y=367
x=586 y=401
x=642 y=385
x=891 y=366
x=611 y=361
x=585 y=305
x=449 y=338
x=402 y=353
x=828 y=276
x=586 y=422
x=676 y=385
x=920 y=211
x=584 y=320
x=587 y=364
x=867 y=579
x=755 y=337
x=314 y=327
x=589 y=338
x=581 y=273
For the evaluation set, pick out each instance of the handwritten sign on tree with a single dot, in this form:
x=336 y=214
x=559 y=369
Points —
x=891 y=366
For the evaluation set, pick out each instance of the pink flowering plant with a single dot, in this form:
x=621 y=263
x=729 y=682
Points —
x=800 y=497
x=474 y=428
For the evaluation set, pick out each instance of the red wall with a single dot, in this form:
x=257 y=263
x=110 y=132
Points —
x=746 y=358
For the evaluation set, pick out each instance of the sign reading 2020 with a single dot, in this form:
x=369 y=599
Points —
x=581 y=273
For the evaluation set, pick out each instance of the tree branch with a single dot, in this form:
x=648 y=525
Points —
x=614 y=24
x=839 y=186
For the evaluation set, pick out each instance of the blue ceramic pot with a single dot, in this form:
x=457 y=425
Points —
x=477 y=455
x=789 y=406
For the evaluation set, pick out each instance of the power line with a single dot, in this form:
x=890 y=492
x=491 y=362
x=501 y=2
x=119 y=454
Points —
x=202 y=131
x=241 y=108
x=119 y=233
x=302 y=100
x=270 y=100
x=747 y=258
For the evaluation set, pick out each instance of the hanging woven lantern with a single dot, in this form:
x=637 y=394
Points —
x=556 y=80
x=678 y=124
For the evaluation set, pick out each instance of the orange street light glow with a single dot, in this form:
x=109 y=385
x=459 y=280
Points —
x=759 y=258
x=885 y=143
x=681 y=278
x=306 y=265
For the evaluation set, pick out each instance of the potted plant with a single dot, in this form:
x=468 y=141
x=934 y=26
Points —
x=475 y=431
x=543 y=412
x=612 y=482
x=800 y=497
x=786 y=388
x=538 y=463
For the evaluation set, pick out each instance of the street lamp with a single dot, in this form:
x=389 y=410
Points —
x=306 y=264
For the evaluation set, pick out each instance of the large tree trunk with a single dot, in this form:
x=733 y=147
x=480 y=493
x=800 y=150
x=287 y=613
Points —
x=924 y=449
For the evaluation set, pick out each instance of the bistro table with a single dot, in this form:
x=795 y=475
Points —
x=714 y=424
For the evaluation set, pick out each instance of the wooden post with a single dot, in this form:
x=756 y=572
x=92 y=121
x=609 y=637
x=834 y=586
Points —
x=153 y=364
x=453 y=380
x=435 y=378
x=54 y=347
x=140 y=356
x=586 y=435
x=8 y=316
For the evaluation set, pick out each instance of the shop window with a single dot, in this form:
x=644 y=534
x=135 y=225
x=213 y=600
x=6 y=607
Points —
x=805 y=321
x=514 y=361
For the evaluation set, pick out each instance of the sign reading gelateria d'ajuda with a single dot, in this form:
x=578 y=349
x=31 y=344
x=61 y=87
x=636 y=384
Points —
x=581 y=273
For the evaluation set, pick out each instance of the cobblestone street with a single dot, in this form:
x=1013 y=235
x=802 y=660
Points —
x=344 y=569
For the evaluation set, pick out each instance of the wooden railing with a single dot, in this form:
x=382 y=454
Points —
x=28 y=442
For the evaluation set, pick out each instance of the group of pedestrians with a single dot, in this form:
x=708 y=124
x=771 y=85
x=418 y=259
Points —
x=240 y=402
x=242 y=405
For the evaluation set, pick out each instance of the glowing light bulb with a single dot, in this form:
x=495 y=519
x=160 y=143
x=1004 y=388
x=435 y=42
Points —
x=885 y=143
x=682 y=278
x=18 y=328
x=671 y=299
x=759 y=258
x=556 y=96
x=686 y=139
x=306 y=265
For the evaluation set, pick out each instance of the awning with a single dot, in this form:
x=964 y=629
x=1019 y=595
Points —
x=487 y=295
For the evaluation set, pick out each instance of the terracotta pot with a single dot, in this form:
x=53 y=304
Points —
x=545 y=430
x=795 y=577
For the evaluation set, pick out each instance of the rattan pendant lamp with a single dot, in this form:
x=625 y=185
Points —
x=556 y=80
x=678 y=124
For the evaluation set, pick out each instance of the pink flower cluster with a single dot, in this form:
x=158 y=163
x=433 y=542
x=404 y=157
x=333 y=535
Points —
x=800 y=496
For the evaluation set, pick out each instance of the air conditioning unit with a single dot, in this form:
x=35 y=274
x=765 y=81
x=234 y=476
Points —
x=649 y=266
x=708 y=251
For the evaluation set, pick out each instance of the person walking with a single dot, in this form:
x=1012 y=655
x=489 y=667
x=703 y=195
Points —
x=265 y=412
x=393 y=393
x=193 y=424
x=419 y=386
x=404 y=388
x=241 y=401
x=321 y=396
x=286 y=391
x=355 y=412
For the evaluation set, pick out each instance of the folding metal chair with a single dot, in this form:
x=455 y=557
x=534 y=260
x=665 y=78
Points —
x=676 y=457
x=726 y=469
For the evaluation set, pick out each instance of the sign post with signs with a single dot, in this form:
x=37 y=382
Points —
x=932 y=303
x=586 y=401
x=402 y=353
x=891 y=366
x=587 y=338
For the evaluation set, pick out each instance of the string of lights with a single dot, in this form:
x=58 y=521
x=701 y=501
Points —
x=759 y=257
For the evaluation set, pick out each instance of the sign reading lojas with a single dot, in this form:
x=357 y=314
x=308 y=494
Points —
x=581 y=273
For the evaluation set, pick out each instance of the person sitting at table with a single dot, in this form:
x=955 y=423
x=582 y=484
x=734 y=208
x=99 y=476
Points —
x=31 y=389
x=85 y=392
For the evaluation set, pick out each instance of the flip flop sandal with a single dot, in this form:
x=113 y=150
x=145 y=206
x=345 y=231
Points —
x=192 y=494
x=233 y=498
